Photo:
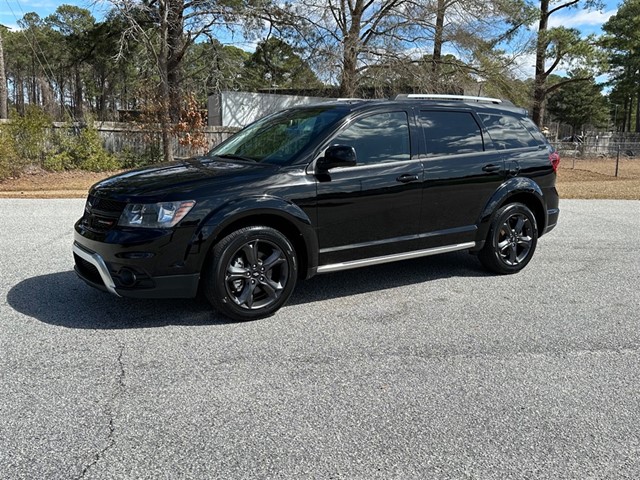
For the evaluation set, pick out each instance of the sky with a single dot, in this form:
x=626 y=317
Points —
x=11 y=10
x=587 y=22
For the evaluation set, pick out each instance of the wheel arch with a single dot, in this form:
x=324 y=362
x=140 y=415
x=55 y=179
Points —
x=515 y=190
x=286 y=217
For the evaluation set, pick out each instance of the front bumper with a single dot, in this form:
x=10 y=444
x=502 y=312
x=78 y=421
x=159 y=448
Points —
x=94 y=271
x=104 y=280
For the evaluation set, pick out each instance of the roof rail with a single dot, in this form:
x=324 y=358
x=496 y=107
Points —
x=437 y=96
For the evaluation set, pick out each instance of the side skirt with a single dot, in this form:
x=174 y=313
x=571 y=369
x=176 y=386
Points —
x=365 y=262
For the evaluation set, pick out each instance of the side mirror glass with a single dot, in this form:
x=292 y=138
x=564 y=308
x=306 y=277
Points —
x=336 y=156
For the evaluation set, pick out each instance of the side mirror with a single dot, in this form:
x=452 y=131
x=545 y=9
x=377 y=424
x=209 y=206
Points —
x=336 y=156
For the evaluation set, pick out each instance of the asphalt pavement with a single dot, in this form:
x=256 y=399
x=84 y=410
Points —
x=424 y=369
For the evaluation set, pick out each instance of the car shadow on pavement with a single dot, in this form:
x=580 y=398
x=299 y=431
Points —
x=62 y=299
x=389 y=275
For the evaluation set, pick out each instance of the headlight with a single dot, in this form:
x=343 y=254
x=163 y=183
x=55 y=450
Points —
x=155 y=215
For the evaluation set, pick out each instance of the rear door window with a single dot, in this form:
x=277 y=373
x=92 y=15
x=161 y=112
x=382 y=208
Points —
x=451 y=133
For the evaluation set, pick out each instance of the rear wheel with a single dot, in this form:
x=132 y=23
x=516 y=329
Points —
x=251 y=274
x=512 y=239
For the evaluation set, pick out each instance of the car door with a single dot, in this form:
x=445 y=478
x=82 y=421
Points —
x=462 y=171
x=373 y=208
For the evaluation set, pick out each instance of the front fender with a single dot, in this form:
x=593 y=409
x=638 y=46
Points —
x=514 y=186
x=220 y=219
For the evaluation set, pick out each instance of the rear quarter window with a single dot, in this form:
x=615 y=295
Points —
x=507 y=131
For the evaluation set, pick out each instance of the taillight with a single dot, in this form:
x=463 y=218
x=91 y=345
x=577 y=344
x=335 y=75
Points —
x=554 y=158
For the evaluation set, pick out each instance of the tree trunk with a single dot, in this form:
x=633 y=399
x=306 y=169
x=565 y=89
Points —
x=48 y=102
x=19 y=95
x=175 y=53
x=438 y=38
x=539 y=91
x=61 y=89
x=349 y=77
x=78 y=97
x=638 y=112
x=3 y=85
x=630 y=112
x=165 y=90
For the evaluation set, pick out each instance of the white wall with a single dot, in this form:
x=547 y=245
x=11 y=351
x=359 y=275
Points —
x=238 y=109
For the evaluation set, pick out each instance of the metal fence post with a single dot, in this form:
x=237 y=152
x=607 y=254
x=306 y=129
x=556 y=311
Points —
x=617 y=160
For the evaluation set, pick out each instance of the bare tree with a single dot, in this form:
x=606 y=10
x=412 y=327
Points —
x=166 y=29
x=349 y=37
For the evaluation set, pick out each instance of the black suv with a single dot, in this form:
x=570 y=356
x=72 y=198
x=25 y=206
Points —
x=322 y=188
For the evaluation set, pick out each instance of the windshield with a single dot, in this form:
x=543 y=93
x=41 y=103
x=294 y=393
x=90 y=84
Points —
x=281 y=137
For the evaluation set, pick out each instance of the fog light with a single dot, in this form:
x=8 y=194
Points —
x=127 y=277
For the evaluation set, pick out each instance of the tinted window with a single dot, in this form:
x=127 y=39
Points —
x=279 y=138
x=533 y=130
x=382 y=137
x=507 y=131
x=449 y=133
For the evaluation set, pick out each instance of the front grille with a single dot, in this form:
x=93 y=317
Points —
x=102 y=214
x=87 y=270
x=105 y=205
x=99 y=223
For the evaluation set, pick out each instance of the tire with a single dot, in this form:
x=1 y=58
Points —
x=511 y=241
x=251 y=273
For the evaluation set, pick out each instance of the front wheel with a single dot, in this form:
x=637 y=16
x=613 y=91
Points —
x=251 y=273
x=512 y=239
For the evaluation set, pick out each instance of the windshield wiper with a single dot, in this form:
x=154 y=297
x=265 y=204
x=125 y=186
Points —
x=233 y=156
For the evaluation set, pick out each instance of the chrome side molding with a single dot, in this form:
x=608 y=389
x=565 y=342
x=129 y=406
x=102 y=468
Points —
x=365 y=262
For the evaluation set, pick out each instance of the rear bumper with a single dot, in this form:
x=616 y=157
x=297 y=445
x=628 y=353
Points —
x=92 y=269
x=552 y=219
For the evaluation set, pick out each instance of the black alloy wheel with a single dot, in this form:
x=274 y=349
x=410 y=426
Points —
x=512 y=239
x=252 y=274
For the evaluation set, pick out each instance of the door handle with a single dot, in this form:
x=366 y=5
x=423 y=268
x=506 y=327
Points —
x=407 y=177
x=491 y=168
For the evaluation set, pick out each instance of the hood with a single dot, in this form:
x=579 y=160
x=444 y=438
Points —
x=179 y=177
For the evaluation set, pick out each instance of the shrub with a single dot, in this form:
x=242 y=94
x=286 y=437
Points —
x=9 y=161
x=131 y=159
x=58 y=162
x=81 y=149
x=32 y=136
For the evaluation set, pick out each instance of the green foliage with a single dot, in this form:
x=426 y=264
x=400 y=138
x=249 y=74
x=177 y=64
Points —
x=129 y=158
x=568 y=45
x=579 y=103
x=32 y=135
x=59 y=162
x=82 y=150
x=276 y=64
x=212 y=67
x=9 y=161
x=622 y=43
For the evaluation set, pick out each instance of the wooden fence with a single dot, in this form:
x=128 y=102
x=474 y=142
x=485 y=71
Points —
x=140 y=138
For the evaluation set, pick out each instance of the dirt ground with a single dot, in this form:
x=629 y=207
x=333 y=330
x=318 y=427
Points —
x=41 y=184
x=577 y=178
x=595 y=178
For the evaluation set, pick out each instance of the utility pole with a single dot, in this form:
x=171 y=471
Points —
x=3 y=82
